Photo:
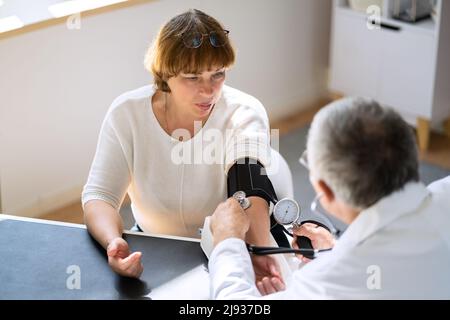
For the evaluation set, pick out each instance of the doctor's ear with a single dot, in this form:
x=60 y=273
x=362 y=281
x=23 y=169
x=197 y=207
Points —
x=328 y=194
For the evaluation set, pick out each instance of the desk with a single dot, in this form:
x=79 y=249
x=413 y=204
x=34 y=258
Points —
x=46 y=260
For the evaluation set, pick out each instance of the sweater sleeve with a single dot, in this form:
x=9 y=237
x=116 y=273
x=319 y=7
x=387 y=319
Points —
x=249 y=136
x=109 y=176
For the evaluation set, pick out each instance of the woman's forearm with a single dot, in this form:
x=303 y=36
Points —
x=103 y=222
x=259 y=232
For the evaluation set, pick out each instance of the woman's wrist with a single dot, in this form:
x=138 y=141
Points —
x=112 y=238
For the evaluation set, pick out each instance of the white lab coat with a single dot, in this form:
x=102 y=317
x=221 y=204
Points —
x=397 y=249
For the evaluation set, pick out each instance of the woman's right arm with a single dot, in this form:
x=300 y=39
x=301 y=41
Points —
x=105 y=189
x=102 y=221
x=105 y=225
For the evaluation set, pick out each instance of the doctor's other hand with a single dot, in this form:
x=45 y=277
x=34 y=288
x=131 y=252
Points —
x=267 y=274
x=229 y=221
x=121 y=261
x=320 y=238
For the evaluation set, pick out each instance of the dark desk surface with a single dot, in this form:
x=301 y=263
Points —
x=36 y=254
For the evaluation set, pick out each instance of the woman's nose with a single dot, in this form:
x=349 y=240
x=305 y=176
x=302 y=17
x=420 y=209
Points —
x=207 y=88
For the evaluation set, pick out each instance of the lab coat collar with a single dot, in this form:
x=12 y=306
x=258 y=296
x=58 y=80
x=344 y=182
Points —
x=384 y=212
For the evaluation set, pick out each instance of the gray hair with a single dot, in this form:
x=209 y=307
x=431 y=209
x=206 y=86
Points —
x=363 y=151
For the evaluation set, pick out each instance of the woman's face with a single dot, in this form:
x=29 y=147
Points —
x=196 y=94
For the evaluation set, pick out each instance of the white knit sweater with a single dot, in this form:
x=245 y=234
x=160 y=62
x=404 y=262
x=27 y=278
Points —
x=173 y=185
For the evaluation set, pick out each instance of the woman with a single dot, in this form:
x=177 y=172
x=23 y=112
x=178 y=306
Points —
x=155 y=144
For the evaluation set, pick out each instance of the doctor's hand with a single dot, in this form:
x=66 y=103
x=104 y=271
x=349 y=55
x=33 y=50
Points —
x=320 y=238
x=229 y=221
x=268 y=275
x=121 y=261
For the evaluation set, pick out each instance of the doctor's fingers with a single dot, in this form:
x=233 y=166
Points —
x=294 y=242
x=230 y=206
x=307 y=226
x=233 y=205
x=299 y=256
x=308 y=230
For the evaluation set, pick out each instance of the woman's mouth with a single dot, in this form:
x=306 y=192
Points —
x=204 y=106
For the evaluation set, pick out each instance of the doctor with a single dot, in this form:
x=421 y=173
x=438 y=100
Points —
x=364 y=167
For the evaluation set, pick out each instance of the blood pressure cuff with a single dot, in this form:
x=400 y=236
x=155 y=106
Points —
x=248 y=175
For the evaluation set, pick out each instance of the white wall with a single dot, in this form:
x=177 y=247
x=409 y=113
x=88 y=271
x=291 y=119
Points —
x=56 y=84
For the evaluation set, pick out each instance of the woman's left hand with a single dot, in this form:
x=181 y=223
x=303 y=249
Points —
x=268 y=275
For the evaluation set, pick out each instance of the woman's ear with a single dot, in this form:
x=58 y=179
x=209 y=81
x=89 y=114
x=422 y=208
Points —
x=328 y=194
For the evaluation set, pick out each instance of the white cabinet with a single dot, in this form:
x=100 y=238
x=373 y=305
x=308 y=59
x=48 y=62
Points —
x=355 y=60
x=402 y=65
x=406 y=72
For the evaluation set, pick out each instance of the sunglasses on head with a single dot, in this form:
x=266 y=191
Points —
x=195 y=39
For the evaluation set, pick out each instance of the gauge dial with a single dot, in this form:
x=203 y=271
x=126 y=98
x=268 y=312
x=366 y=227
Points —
x=286 y=211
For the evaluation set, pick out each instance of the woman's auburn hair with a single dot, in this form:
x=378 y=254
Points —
x=168 y=56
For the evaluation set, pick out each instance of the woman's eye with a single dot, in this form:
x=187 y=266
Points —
x=219 y=75
x=192 y=78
